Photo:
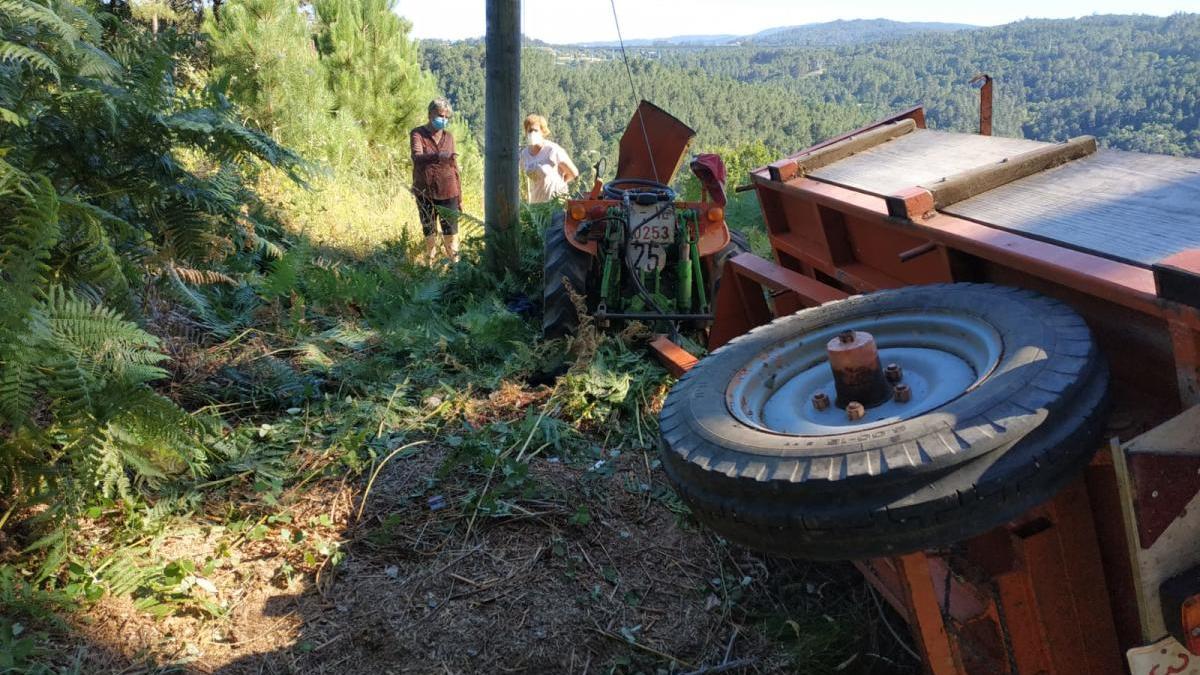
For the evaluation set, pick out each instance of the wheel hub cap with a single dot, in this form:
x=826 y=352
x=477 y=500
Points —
x=942 y=356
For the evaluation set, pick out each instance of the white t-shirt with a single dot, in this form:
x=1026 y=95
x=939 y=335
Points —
x=544 y=180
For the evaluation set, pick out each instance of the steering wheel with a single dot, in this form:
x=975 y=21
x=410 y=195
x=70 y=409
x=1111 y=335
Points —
x=639 y=190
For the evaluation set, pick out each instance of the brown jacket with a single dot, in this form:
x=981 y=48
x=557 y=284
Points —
x=435 y=167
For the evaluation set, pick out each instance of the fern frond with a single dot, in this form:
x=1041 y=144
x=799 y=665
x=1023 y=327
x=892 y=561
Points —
x=29 y=230
x=9 y=117
x=197 y=277
x=80 y=19
x=95 y=62
x=199 y=305
x=18 y=379
x=31 y=13
x=17 y=53
x=97 y=338
x=88 y=258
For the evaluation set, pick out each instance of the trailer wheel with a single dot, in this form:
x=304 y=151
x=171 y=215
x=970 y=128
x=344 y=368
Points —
x=562 y=264
x=1008 y=394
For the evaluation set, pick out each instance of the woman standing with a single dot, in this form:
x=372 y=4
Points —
x=435 y=180
x=547 y=166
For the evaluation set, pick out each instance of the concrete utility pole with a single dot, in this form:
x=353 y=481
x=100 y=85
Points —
x=502 y=90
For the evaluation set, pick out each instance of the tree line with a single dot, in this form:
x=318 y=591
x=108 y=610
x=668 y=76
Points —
x=1132 y=81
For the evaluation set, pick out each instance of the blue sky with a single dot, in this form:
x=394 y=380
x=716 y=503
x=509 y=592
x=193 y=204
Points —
x=563 y=21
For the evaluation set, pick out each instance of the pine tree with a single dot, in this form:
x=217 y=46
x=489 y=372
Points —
x=264 y=50
x=374 y=69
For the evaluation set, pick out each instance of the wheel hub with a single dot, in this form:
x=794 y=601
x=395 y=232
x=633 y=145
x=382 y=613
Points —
x=857 y=374
x=939 y=356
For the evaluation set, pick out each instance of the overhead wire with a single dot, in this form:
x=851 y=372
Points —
x=636 y=99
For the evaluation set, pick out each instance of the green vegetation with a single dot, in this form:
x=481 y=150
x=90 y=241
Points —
x=240 y=428
x=346 y=108
x=117 y=192
x=1131 y=81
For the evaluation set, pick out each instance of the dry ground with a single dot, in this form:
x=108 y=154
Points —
x=627 y=583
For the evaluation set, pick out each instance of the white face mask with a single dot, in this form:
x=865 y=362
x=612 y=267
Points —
x=535 y=137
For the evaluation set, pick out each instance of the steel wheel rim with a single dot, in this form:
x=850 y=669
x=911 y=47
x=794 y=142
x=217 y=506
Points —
x=943 y=355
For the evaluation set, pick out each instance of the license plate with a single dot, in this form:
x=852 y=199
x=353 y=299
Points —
x=653 y=224
x=1165 y=657
x=646 y=257
x=651 y=230
x=654 y=232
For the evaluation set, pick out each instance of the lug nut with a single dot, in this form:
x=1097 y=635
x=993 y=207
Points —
x=820 y=400
x=902 y=393
x=846 y=337
x=855 y=410
x=893 y=373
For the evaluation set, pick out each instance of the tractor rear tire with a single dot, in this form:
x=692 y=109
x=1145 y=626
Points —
x=1005 y=444
x=563 y=265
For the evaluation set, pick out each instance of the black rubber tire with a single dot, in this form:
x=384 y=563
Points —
x=562 y=263
x=955 y=471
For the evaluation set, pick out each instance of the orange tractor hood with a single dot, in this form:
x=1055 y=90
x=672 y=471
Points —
x=653 y=145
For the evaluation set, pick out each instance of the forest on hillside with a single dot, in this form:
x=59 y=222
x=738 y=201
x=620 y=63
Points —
x=1132 y=81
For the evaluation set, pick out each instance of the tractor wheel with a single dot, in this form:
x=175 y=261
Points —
x=562 y=264
x=1007 y=399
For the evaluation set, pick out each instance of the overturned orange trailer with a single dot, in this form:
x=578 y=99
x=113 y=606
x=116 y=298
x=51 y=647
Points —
x=1093 y=570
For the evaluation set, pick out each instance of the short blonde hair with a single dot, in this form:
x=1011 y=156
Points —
x=537 y=121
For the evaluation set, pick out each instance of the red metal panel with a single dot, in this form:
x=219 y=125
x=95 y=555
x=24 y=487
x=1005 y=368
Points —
x=921 y=597
x=653 y=144
x=1127 y=285
x=674 y=358
x=741 y=304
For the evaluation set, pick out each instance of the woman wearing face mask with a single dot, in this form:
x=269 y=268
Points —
x=546 y=165
x=435 y=180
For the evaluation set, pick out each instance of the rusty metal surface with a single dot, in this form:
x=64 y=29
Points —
x=1177 y=277
x=1162 y=456
x=653 y=145
x=857 y=374
x=921 y=597
x=1048 y=584
x=1163 y=485
x=985 y=103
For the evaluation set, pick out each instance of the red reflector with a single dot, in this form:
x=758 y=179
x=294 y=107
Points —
x=1191 y=624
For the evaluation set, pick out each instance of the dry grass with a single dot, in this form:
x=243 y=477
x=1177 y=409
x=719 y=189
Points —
x=633 y=587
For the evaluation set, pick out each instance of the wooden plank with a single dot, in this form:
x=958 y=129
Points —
x=674 y=358
x=966 y=184
x=853 y=145
x=921 y=157
x=1126 y=206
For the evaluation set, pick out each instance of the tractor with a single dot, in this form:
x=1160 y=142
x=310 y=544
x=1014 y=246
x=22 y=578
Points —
x=630 y=249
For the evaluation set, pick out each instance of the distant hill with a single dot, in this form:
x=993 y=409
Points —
x=838 y=33
x=1131 y=81
x=674 y=41
x=829 y=34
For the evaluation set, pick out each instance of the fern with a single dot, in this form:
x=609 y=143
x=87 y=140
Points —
x=28 y=12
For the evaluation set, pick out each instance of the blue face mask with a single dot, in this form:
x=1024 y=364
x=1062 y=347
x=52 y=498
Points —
x=440 y=123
